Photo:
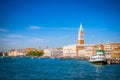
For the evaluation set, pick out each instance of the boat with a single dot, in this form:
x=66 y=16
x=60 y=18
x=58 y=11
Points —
x=52 y=57
x=32 y=57
x=98 y=58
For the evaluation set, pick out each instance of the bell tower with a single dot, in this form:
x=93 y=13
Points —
x=81 y=35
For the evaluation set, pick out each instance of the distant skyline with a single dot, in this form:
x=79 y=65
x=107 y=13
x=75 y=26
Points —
x=55 y=23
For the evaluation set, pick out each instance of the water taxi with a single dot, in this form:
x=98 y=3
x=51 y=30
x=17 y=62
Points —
x=98 y=58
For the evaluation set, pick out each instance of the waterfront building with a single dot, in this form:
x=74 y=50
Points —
x=110 y=46
x=70 y=51
x=111 y=49
x=76 y=51
x=115 y=53
x=16 y=53
x=57 y=52
x=22 y=52
x=47 y=53
x=89 y=49
x=12 y=53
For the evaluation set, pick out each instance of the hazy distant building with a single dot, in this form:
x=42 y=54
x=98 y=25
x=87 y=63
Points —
x=12 y=53
x=16 y=53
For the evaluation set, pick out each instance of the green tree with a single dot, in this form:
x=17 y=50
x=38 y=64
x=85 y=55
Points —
x=35 y=53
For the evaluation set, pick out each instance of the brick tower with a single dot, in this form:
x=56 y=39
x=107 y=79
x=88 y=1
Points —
x=81 y=35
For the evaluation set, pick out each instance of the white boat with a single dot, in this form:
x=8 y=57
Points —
x=52 y=57
x=32 y=57
x=98 y=58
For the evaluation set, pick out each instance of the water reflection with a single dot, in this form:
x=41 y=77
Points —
x=98 y=69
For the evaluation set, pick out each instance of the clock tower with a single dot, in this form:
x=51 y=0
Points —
x=81 y=35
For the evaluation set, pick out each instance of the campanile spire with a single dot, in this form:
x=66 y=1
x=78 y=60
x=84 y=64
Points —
x=81 y=35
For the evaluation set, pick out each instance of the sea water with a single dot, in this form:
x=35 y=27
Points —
x=26 y=68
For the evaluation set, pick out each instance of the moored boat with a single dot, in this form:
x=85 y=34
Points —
x=98 y=58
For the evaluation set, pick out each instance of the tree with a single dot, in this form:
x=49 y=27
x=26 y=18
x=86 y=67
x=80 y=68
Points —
x=35 y=53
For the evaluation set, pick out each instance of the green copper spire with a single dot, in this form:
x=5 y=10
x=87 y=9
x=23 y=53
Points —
x=81 y=28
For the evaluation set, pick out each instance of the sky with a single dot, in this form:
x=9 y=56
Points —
x=55 y=23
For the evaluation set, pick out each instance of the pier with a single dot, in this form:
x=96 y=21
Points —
x=113 y=61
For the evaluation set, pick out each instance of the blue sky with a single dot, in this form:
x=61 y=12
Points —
x=33 y=23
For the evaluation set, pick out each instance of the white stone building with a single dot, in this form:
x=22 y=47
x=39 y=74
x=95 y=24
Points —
x=79 y=50
x=47 y=53
x=69 y=51
x=16 y=53
x=53 y=53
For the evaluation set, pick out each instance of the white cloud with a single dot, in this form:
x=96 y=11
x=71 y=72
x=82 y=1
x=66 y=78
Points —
x=38 y=27
x=34 y=27
x=3 y=30
x=16 y=36
x=63 y=28
x=36 y=40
